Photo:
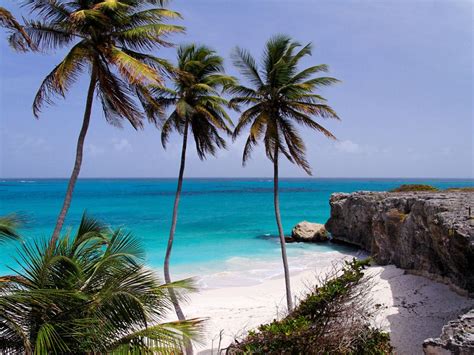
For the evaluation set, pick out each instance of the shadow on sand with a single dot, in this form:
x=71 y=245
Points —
x=420 y=309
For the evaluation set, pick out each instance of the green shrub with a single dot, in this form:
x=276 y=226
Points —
x=331 y=319
x=414 y=187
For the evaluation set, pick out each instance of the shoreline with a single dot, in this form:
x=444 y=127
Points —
x=401 y=301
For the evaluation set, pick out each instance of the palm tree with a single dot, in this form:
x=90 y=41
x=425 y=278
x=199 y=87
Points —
x=89 y=293
x=197 y=106
x=107 y=38
x=280 y=96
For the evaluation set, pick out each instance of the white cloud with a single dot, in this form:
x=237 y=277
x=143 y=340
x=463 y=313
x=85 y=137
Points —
x=122 y=145
x=348 y=146
x=94 y=150
x=26 y=143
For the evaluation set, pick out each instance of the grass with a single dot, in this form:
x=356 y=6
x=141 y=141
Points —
x=461 y=189
x=421 y=187
x=414 y=187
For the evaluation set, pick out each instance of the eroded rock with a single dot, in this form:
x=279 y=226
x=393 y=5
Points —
x=310 y=232
x=430 y=233
x=457 y=337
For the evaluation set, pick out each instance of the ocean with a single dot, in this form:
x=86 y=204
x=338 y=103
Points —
x=226 y=231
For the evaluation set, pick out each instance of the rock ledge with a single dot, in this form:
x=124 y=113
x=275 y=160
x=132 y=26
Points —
x=457 y=337
x=430 y=233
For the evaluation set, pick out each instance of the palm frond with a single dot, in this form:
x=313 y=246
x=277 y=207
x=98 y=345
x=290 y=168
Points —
x=19 y=39
x=9 y=226
x=147 y=36
x=247 y=65
x=62 y=77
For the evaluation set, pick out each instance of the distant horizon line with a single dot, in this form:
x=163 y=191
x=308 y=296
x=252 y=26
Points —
x=244 y=177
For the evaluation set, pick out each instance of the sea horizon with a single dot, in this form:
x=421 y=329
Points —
x=242 y=178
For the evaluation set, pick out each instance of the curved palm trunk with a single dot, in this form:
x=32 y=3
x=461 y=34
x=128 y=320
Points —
x=78 y=161
x=174 y=300
x=289 y=301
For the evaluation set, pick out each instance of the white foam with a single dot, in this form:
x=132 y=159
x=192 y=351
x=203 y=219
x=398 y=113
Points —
x=247 y=271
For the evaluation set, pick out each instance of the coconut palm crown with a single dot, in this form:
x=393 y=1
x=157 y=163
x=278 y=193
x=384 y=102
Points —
x=196 y=100
x=89 y=293
x=197 y=106
x=279 y=98
x=107 y=38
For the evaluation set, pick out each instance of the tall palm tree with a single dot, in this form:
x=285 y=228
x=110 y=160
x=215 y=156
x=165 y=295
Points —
x=89 y=293
x=198 y=107
x=280 y=96
x=107 y=38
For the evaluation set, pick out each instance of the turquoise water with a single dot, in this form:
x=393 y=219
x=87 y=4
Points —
x=224 y=224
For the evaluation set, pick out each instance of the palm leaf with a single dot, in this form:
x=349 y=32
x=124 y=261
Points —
x=9 y=227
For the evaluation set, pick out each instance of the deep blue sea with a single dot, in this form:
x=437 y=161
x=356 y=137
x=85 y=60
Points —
x=224 y=225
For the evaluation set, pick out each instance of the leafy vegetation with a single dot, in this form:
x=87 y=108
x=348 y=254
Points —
x=9 y=227
x=89 y=293
x=414 y=187
x=332 y=319
x=280 y=97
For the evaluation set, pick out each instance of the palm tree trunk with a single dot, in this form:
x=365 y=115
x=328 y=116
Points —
x=289 y=300
x=78 y=161
x=174 y=300
x=174 y=220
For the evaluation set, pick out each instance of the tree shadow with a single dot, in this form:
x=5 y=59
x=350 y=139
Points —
x=420 y=307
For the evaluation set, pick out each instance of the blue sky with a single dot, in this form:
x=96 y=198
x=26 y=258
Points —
x=406 y=97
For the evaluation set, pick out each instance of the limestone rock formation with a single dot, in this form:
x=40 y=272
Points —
x=457 y=337
x=309 y=232
x=430 y=233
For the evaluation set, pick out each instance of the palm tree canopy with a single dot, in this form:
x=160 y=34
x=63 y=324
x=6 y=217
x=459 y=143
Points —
x=89 y=293
x=106 y=36
x=196 y=99
x=280 y=96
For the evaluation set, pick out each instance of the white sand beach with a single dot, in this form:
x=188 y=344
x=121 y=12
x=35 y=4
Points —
x=411 y=307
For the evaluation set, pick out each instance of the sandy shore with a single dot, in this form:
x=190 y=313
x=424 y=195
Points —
x=412 y=308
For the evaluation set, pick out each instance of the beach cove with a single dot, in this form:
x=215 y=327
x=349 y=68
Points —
x=238 y=270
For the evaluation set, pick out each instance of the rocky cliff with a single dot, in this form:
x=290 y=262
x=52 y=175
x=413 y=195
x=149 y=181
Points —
x=430 y=233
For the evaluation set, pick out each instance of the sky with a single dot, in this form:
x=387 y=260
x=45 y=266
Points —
x=405 y=97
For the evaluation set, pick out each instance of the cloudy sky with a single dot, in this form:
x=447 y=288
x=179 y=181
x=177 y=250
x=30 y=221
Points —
x=406 y=96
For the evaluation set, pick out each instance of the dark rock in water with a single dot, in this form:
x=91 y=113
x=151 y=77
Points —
x=273 y=237
x=430 y=233
x=457 y=337
x=310 y=232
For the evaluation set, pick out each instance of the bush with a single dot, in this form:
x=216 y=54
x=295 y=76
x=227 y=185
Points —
x=461 y=189
x=331 y=319
x=414 y=187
